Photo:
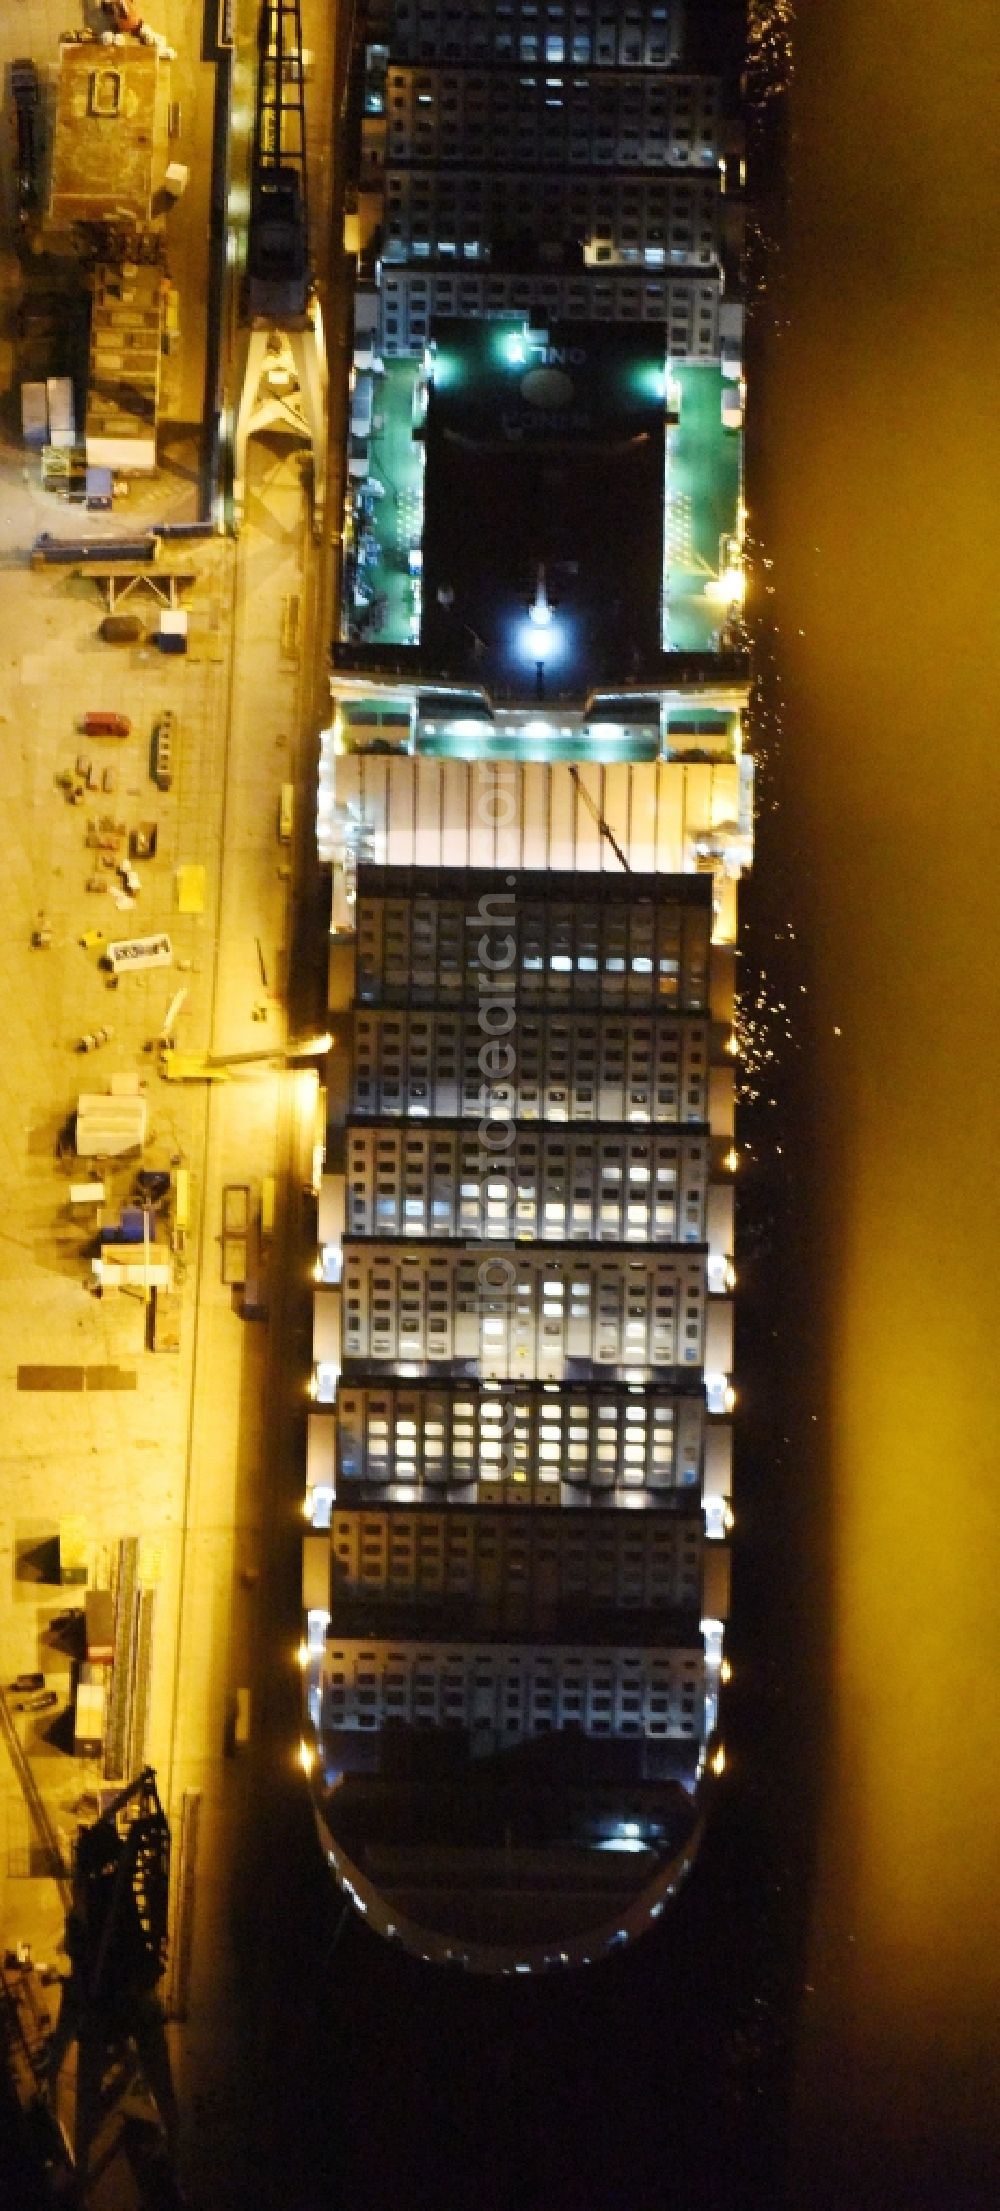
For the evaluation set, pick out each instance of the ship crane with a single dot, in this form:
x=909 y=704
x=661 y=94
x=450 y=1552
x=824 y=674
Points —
x=279 y=279
x=116 y=1935
x=115 y=1899
x=284 y=374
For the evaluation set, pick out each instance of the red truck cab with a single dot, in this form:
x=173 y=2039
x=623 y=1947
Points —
x=99 y=723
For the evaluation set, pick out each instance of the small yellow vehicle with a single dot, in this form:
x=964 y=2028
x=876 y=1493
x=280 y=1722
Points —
x=190 y=1067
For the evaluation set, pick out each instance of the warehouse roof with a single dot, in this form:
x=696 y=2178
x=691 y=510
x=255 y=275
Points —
x=109 y=147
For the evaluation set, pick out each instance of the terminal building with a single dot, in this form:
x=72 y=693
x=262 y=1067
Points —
x=536 y=805
x=111 y=148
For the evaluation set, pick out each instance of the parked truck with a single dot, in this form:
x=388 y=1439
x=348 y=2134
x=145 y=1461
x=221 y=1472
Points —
x=166 y=1334
x=34 y=413
x=162 y=753
x=62 y=411
x=122 y=629
x=99 y=1623
x=235 y=1208
x=100 y=721
x=234 y=1262
x=235 y=1234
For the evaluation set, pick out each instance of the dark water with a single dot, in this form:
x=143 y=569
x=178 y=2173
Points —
x=816 y=2026
x=876 y=496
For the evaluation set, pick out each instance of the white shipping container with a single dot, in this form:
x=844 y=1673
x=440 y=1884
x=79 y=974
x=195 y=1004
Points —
x=106 y=1127
x=114 y=1274
x=732 y=407
x=62 y=413
x=34 y=414
x=235 y=1209
x=362 y=405
x=719 y=1335
x=88 y=1728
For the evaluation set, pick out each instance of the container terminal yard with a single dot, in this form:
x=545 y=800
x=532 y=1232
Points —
x=160 y=693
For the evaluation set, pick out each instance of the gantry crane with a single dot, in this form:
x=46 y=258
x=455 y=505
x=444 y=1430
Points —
x=284 y=379
x=278 y=273
x=116 y=1936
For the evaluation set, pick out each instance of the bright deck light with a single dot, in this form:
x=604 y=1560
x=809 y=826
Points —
x=540 y=612
x=729 y=589
x=310 y=1047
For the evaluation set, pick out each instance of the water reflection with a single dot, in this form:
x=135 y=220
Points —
x=876 y=487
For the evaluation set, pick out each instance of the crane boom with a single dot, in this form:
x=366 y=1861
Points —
x=44 y=1831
